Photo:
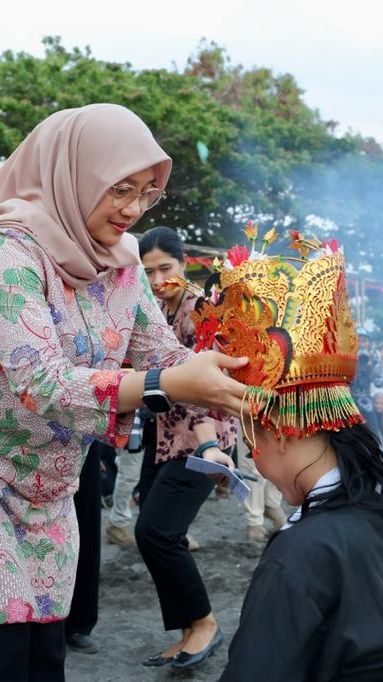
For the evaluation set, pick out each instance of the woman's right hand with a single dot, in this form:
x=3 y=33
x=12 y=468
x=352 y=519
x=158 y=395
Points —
x=202 y=381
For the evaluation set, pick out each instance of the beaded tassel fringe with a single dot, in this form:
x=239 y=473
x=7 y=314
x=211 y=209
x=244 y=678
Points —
x=302 y=410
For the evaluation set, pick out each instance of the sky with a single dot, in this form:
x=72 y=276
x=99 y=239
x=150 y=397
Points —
x=333 y=48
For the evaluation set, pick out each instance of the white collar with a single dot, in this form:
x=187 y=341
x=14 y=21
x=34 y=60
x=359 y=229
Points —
x=325 y=483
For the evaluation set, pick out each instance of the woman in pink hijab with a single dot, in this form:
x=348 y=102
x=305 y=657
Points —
x=74 y=301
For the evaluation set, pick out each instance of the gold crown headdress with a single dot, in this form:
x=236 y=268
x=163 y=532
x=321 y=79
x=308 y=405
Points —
x=291 y=318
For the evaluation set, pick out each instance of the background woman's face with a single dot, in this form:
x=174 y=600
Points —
x=160 y=266
x=378 y=403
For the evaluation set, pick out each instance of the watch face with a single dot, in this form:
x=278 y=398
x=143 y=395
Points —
x=156 y=401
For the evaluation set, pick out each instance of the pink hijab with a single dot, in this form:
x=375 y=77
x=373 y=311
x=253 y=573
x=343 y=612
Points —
x=55 y=178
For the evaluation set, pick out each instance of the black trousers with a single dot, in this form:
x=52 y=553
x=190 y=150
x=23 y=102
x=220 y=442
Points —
x=170 y=498
x=32 y=652
x=84 y=608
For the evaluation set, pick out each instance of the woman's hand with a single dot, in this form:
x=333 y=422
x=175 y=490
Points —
x=202 y=381
x=216 y=455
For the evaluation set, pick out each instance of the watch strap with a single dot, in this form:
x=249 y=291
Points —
x=152 y=379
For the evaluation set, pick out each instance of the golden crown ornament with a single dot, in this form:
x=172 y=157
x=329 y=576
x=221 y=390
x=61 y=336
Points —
x=290 y=316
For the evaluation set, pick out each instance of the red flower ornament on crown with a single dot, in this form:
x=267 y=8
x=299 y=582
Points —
x=237 y=255
x=331 y=244
x=205 y=332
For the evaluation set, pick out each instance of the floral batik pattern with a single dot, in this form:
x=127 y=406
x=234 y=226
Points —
x=60 y=368
x=175 y=436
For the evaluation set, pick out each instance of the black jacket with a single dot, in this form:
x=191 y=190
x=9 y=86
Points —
x=314 y=608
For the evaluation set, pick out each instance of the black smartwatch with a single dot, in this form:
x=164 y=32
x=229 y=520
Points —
x=153 y=397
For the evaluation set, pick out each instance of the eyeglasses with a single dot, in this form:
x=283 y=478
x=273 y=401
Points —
x=126 y=194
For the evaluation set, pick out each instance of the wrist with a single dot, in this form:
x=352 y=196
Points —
x=170 y=383
x=211 y=452
x=204 y=447
x=129 y=392
x=153 y=396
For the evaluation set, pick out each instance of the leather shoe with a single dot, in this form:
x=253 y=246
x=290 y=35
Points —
x=156 y=661
x=185 y=660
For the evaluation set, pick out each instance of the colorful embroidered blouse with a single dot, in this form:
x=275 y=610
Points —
x=60 y=355
x=175 y=437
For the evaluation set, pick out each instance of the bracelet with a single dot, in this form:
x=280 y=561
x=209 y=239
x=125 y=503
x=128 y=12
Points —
x=198 y=452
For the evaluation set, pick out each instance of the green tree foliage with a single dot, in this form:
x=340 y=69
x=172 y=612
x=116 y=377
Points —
x=269 y=156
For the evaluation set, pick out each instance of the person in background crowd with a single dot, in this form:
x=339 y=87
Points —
x=378 y=407
x=361 y=385
x=108 y=470
x=377 y=369
x=171 y=495
x=118 y=530
x=74 y=301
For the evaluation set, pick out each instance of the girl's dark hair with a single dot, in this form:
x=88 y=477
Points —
x=360 y=462
x=164 y=238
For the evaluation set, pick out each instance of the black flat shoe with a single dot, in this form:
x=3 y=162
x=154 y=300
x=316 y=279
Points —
x=185 y=660
x=157 y=661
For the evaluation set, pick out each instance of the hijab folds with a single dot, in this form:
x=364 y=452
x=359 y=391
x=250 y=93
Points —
x=54 y=180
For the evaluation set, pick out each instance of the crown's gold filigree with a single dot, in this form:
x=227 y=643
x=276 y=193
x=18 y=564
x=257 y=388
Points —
x=293 y=322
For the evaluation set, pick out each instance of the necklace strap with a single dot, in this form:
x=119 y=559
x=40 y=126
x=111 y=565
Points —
x=170 y=317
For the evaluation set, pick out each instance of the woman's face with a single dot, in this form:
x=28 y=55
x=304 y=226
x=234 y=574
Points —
x=114 y=215
x=160 y=266
x=268 y=458
x=378 y=403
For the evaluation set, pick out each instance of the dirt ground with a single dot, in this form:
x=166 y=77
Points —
x=130 y=624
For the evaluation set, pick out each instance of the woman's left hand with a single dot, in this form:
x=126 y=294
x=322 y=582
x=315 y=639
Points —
x=216 y=455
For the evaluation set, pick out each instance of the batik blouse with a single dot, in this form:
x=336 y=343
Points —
x=175 y=436
x=60 y=354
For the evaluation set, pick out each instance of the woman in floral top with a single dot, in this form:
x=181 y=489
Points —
x=73 y=298
x=170 y=494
